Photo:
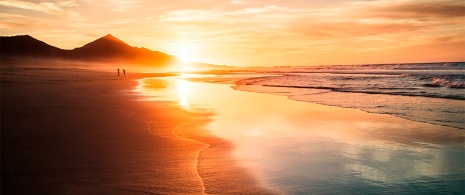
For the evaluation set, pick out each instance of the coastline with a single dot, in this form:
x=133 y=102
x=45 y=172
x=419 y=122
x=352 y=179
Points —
x=87 y=132
x=74 y=131
x=301 y=147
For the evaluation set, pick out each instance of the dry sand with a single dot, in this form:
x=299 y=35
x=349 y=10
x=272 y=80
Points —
x=72 y=131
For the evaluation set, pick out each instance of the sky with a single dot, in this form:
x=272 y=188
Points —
x=253 y=32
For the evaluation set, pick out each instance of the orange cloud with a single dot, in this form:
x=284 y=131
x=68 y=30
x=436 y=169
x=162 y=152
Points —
x=47 y=7
x=416 y=9
x=254 y=32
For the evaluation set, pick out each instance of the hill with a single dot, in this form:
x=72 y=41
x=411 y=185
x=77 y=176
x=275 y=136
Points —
x=112 y=48
x=27 y=46
x=107 y=49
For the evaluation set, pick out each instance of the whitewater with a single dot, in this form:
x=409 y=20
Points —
x=429 y=92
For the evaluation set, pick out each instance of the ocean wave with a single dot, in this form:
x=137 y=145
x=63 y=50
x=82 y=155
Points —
x=406 y=91
x=434 y=80
x=393 y=92
x=441 y=82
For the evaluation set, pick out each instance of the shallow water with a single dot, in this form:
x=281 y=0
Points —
x=431 y=93
x=305 y=148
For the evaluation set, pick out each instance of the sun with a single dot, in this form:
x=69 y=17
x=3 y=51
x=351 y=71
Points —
x=184 y=52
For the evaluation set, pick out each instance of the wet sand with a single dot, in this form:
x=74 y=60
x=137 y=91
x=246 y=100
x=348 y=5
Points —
x=305 y=148
x=71 y=131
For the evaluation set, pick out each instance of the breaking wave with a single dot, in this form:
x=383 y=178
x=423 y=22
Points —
x=431 y=93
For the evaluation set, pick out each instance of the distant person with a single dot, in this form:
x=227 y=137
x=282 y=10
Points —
x=124 y=72
x=118 y=71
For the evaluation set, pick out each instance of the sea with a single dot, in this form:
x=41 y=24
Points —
x=361 y=129
x=430 y=92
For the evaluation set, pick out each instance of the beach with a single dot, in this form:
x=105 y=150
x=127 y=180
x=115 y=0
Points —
x=232 y=97
x=74 y=131
x=297 y=147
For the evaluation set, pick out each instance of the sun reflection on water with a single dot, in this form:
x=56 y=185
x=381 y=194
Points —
x=289 y=142
x=183 y=89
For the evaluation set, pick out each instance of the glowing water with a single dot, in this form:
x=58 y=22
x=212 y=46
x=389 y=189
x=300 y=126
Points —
x=305 y=148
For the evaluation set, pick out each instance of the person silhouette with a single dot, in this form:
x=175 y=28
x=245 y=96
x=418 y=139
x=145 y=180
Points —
x=124 y=72
x=118 y=71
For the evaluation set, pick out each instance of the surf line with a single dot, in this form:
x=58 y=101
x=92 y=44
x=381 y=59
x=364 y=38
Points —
x=191 y=140
x=198 y=153
x=134 y=114
x=185 y=138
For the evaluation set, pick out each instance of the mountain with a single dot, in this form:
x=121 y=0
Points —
x=107 y=49
x=27 y=46
x=111 y=48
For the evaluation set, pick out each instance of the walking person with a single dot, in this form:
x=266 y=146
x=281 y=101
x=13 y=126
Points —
x=118 y=71
x=124 y=72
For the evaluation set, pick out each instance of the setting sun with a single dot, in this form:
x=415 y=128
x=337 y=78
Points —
x=184 y=52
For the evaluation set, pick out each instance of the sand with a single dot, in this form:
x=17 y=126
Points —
x=306 y=148
x=73 y=131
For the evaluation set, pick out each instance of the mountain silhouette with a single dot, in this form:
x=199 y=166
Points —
x=27 y=46
x=110 y=47
x=107 y=46
x=105 y=49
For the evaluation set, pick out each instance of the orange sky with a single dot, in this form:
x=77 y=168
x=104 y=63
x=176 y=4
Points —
x=253 y=32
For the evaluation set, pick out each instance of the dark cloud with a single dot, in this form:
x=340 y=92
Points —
x=417 y=10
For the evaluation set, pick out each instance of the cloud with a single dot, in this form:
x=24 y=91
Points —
x=381 y=18
x=354 y=29
x=256 y=10
x=45 y=10
x=214 y=14
x=11 y=21
x=421 y=10
x=44 y=18
x=430 y=9
x=240 y=31
x=68 y=4
x=455 y=37
x=268 y=15
x=123 y=5
x=191 y=15
x=47 y=7
x=236 y=2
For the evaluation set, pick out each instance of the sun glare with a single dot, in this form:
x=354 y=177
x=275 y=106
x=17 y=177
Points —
x=183 y=92
x=184 y=52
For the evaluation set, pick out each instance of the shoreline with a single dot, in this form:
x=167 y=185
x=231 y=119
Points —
x=83 y=131
x=447 y=111
x=320 y=101
x=318 y=96
x=295 y=146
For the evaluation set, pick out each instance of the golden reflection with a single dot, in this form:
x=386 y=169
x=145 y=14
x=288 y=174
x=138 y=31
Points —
x=185 y=75
x=326 y=140
x=183 y=89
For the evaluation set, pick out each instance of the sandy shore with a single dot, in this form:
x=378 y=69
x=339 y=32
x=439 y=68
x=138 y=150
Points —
x=71 y=131
x=306 y=148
